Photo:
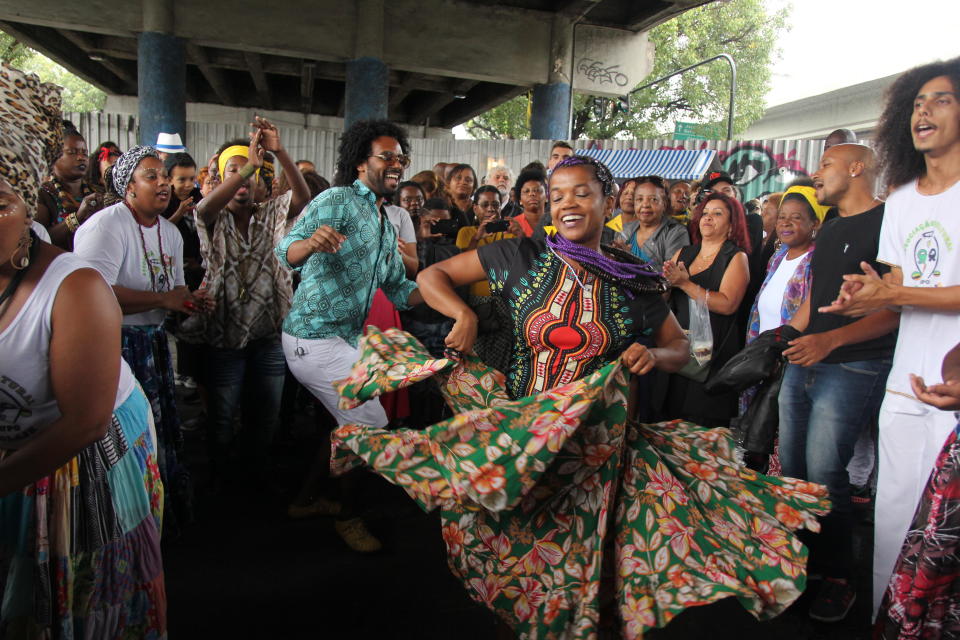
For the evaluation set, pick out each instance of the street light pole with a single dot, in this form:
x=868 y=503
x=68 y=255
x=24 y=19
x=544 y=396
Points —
x=733 y=84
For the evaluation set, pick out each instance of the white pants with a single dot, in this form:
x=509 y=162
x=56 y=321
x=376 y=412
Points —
x=317 y=364
x=910 y=438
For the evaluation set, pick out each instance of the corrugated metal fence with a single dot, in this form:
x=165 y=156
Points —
x=758 y=166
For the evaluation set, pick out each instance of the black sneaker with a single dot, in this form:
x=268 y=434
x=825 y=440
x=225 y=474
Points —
x=834 y=601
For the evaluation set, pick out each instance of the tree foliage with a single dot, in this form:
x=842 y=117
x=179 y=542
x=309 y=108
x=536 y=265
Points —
x=78 y=94
x=746 y=29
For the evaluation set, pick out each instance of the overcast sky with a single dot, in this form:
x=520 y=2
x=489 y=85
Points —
x=837 y=43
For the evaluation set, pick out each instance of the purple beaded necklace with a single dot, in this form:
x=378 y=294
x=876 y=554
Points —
x=587 y=256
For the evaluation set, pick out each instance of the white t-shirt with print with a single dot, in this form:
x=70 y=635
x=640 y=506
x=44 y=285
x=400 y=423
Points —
x=921 y=235
x=112 y=243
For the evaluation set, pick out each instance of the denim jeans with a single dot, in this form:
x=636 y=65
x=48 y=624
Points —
x=823 y=409
x=253 y=374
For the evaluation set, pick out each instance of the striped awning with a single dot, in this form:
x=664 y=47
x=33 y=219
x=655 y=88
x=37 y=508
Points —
x=671 y=164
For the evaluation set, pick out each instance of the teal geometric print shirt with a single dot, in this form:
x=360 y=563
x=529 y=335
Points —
x=336 y=289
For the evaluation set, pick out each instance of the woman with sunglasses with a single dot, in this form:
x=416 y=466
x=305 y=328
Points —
x=541 y=480
x=652 y=236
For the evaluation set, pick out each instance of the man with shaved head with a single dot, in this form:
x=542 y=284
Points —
x=834 y=382
x=840 y=136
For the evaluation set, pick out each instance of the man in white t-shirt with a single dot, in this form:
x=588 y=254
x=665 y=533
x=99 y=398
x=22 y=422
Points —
x=920 y=240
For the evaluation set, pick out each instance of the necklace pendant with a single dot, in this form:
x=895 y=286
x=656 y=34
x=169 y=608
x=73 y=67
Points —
x=243 y=293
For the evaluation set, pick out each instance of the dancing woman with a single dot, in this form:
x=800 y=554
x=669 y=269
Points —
x=541 y=481
x=80 y=496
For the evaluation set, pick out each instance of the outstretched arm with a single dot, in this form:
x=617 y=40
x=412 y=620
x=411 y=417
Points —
x=270 y=139
x=437 y=284
x=866 y=293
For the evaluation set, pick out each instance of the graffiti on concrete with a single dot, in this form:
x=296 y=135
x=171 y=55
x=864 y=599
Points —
x=757 y=170
x=595 y=71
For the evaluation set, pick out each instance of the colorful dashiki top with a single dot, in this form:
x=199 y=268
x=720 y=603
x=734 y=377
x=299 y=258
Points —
x=566 y=325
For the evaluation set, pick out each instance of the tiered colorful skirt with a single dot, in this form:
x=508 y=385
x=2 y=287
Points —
x=80 y=549
x=564 y=518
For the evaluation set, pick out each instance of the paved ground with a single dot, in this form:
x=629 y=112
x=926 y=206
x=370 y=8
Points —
x=245 y=570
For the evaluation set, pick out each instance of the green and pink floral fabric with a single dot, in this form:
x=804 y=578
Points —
x=554 y=503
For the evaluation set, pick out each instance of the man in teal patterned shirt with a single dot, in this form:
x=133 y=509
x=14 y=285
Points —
x=345 y=249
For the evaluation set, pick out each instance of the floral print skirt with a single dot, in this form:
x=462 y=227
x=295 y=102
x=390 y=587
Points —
x=80 y=548
x=923 y=597
x=553 y=503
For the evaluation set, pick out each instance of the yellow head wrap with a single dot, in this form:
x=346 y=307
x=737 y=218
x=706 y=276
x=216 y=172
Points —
x=232 y=152
x=810 y=195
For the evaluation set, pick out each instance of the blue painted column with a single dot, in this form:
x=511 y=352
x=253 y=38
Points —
x=550 y=112
x=161 y=74
x=367 y=90
x=161 y=85
x=550 y=109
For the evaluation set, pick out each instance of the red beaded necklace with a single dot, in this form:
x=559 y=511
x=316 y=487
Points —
x=143 y=244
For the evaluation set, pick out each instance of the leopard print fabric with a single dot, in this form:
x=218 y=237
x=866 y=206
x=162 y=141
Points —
x=31 y=137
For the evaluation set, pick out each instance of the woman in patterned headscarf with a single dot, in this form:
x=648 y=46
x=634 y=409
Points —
x=140 y=254
x=80 y=496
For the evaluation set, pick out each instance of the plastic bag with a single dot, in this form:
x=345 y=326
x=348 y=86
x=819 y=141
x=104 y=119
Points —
x=700 y=335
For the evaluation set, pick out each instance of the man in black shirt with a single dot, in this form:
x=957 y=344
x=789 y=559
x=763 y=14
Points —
x=837 y=373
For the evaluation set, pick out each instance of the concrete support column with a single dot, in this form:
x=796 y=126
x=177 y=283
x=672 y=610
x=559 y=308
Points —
x=550 y=111
x=367 y=90
x=161 y=74
x=368 y=77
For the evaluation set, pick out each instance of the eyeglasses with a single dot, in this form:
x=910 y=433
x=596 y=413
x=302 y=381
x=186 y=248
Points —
x=389 y=157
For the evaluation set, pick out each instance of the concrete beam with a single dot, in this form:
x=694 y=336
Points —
x=197 y=56
x=66 y=53
x=254 y=63
x=483 y=98
x=399 y=92
x=82 y=41
x=306 y=86
x=647 y=16
x=429 y=105
x=515 y=52
x=576 y=8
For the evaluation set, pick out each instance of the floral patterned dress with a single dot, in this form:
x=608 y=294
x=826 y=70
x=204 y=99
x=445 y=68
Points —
x=922 y=600
x=558 y=514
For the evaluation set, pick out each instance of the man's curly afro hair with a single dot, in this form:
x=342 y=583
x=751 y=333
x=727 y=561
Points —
x=900 y=161
x=356 y=146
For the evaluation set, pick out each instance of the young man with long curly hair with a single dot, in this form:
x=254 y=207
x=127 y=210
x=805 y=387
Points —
x=919 y=144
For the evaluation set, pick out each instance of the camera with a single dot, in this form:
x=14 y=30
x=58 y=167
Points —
x=497 y=226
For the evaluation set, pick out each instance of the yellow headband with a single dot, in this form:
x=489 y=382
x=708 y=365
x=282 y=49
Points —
x=232 y=152
x=810 y=195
